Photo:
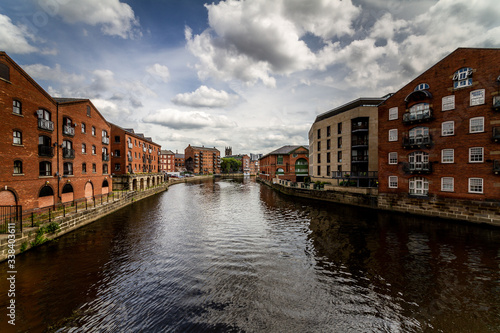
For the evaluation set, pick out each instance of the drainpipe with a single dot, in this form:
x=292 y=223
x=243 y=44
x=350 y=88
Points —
x=57 y=152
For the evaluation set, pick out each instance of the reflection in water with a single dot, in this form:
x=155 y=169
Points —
x=237 y=256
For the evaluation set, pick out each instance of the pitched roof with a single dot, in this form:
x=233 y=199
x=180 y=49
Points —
x=285 y=150
x=179 y=155
x=166 y=152
x=204 y=148
x=69 y=100
x=363 y=101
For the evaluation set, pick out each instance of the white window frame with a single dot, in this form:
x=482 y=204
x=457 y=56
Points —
x=393 y=135
x=478 y=127
x=476 y=155
x=476 y=188
x=393 y=158
x=419 y=186
x=447 y=184
x=448 y=158
x=449 y=131
x=393 y=182
x=393 y=113
x=448 y=103
x=477 y=97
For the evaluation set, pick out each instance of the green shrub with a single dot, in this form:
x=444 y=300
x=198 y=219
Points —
x=53 y=227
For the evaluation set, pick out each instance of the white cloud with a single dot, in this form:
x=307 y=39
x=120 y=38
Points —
x=56 y=74
x=114 y=17
x=158 y=71
x=205 y=97
x=14 y=39
x=176 y=119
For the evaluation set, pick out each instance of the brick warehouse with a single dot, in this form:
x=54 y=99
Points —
x=43 y=161
x=288 y=163
x=202 y=160
x=439 y=135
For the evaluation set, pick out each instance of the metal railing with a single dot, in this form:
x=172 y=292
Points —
x=105 y=140
x=417 y=141
x=47 y=151
x=68 y=153
x=418 y=168
x=45 y=124
x=68 y=130
x=10 y=219
x=420 y=116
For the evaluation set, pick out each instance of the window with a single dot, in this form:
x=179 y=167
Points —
x=421 y=86
x=328 y=131
x=88 y=111
x=93 y=150
x=45 y=169
x=117 y=139
x=447 y=184
x=328 y=157
x=448 y=156
x=448 y=103
x=419 y=135
x=476 y=154
x=448 y=128
x=339 y=142
x=18 y=167
x=393 y=135
x=476 y=125
x=84 y=167
x=339 y=128
x=68 y=169
x=462 y=78
x=279 y=159
x=475 y=185
x=16 y=107
x=393 y=113
x=4 y=72
x=94 y=168
x=318 y=170
x=319 y=158
x=328 y=144
x=43 y=114
x=17 y=138
x=105 y=169
x=93 y=130
x=84 y=148
x=419 y=111
x=393 y=182
x=419 y=186
x=477 y=97
x=117 y=167
x=319 y=145
x=83 y=128
x=339 y=156
x=418 y=160
x=319 y=133
x=117 y=153
x=328 y=170
x=393 y=158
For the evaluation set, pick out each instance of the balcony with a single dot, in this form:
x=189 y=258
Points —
x=496 y=134
x=68 y=153
x=130 y=145
x=129 y=158
x=68 y=130
x=105 y=157
x=496 y=167
x=358 y=127
x=359 y=143
x=45 y=151
x=417 y=142
x=144 y=149
x=420 y=168
x=45 y=124
x=105 y=140
x=496 y=103
x=359 y=159
x=421 y=116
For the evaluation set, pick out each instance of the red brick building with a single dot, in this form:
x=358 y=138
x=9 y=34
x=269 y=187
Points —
x=167 y=161
x=288 y=163
x=179 y=163
x=41 y=148
x=439 y=135
x=202 y=160
x=245 y=162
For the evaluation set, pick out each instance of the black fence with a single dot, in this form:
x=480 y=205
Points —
x=10 y=218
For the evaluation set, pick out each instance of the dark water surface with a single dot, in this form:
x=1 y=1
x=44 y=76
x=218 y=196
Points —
x=234 y=256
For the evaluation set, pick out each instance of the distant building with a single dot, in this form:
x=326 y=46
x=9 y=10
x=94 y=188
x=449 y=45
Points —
x=179 y=162
x=228 y=151
x=245 y=162
x=167 y=161
x=254 y=164
x=287 y=162
x=202 y=160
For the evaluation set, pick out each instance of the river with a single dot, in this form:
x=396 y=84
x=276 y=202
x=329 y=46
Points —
x=235 y=256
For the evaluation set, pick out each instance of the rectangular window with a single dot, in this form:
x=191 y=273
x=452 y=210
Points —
x=476 y=125
x=393 y=182
x=328 y=144
x=339 y=142
x=448 y=103
x=448 y=156
x=319 y=158
x=319 y=145
x=279 y=160
x=16 y=107
x=339 y=128
x=393 y=113
x=475 y=185
x=393 y=158
x=328 y=157
x=319 y=170
x=476 y=154
x=477 y=97
x=328 y=131
x=84 y=168
x=93 y=130
x=393 y=135
x=88 y=111
x=447 y=184
x=319 y=133
x=448 y=128
x=339 y=156
x=83 y=127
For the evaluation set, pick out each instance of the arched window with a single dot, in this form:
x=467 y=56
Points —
x=105 y=169
x=17 y=137
x=419 y=186
x=44 y=120
x=419 y=135
x=462 y=78
x=18 y=167
x=45 y=146
x=418 y=161
x=280 y=171
x=67 y=188
x=45 y=168
x=105 y=183
x=421 y=86
x=84 y=148
x=17 y=107
x=93 y=150
x=68 y=151
x=46 y=191
x=84 y=167
x=68 y=128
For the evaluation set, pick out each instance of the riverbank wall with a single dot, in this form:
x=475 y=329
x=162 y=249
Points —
x=482 y=212
x=23 y=240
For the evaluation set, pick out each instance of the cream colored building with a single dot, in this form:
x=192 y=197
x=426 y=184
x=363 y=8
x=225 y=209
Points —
x=343 y=144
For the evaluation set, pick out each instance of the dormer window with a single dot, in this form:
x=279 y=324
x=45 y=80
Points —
x=421 y=86
x=462 y=78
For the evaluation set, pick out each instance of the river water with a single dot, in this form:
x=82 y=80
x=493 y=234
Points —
x=235 y=256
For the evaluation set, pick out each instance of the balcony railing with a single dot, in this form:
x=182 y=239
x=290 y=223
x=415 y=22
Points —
x=105 y=157
x=418 y=141
x=105 y=140
x=68 y=153
x=496 y=134
x=496 y=167
x=68 y=130
x=417 y=117
x=359 y=158
x=359 y=143
x=358 y=127
x=418 y=168
x=46 y=151
x=45 y=124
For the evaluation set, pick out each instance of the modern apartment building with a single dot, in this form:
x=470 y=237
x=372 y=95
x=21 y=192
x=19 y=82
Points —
x=344 y=143
x=288 y=162
x=439 y=135
x=202 y=160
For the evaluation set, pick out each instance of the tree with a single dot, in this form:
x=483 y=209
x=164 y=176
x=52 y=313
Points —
x=230 y=164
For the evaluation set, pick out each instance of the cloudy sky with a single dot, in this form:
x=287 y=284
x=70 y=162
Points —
x=251 y=74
